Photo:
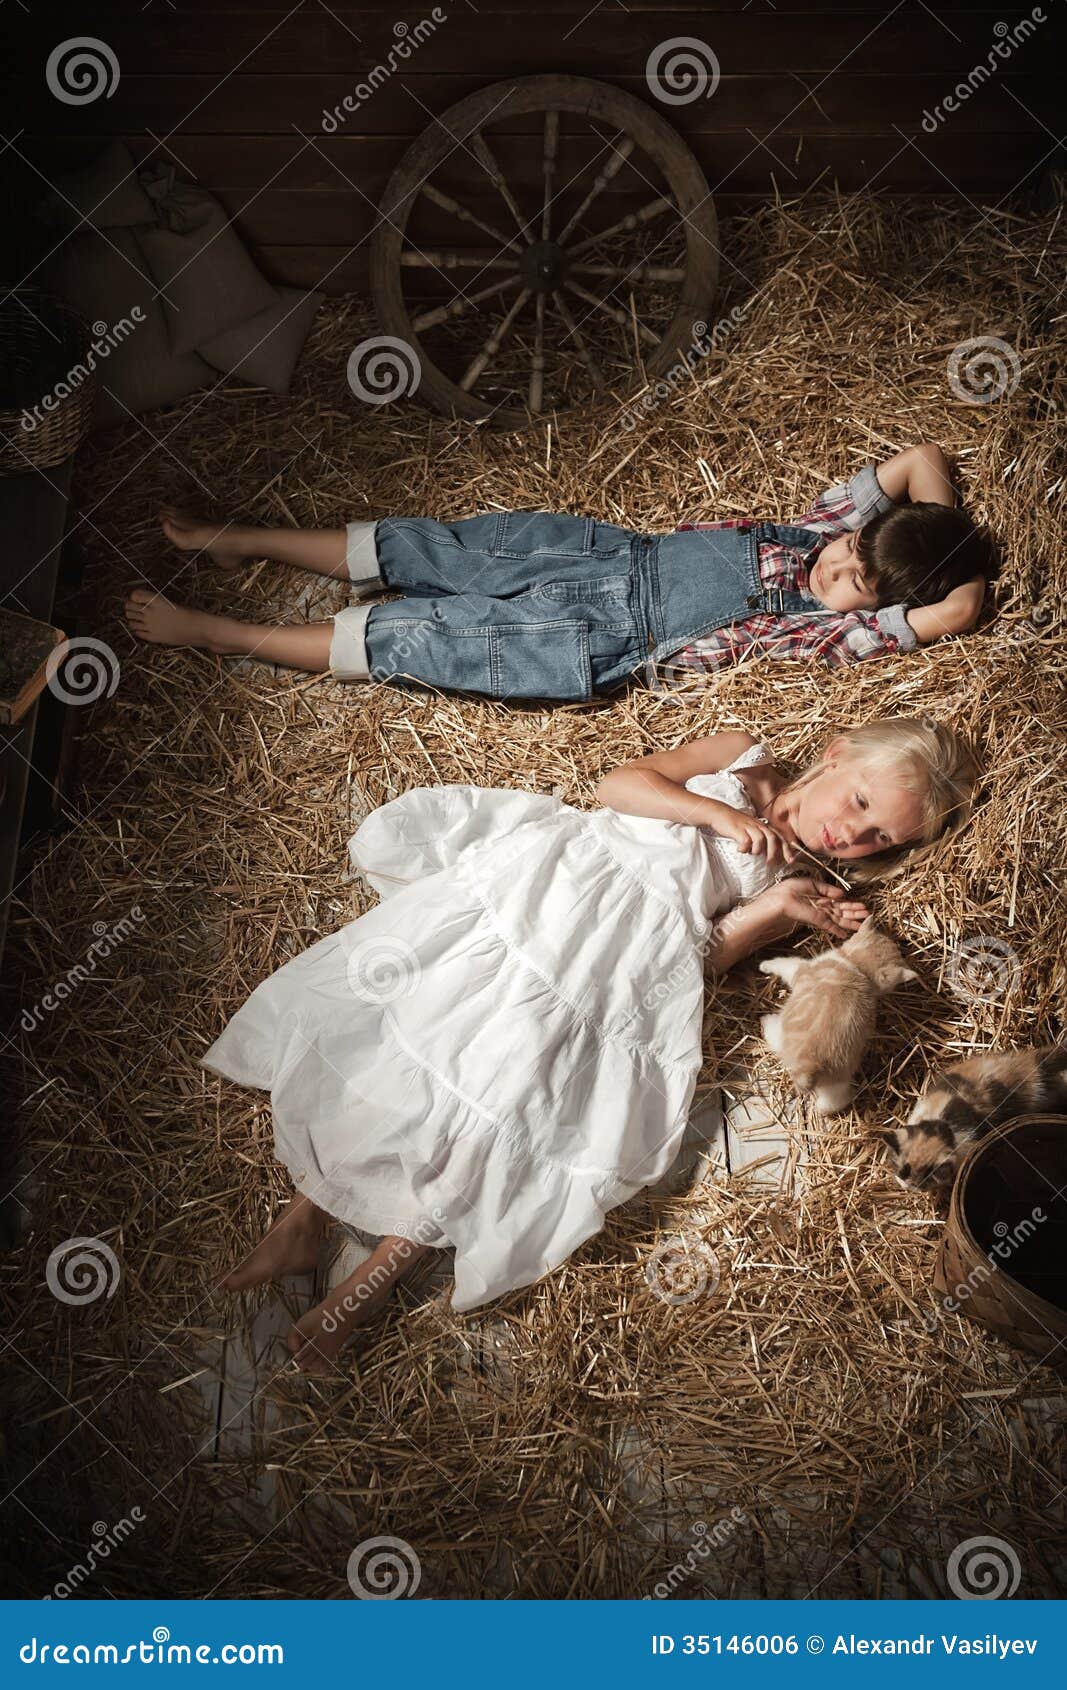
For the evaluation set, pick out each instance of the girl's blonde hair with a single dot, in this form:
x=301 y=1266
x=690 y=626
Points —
x=926 y=758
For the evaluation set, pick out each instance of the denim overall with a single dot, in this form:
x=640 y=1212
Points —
x=531 y=604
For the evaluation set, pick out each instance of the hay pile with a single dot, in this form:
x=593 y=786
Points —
x=565 y=1441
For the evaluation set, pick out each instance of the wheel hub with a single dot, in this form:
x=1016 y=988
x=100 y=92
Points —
x=543 y=266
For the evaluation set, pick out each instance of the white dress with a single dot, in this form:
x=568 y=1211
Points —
x=506 y=1047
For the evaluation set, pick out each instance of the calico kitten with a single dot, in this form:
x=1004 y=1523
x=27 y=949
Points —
x=967 y=1101
x=823 y=1029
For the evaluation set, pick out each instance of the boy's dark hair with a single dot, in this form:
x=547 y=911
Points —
x=916 y=554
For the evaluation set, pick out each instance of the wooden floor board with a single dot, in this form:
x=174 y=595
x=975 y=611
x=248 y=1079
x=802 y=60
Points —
x=762 y=1142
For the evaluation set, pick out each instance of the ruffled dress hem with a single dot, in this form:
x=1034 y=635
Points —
x=505 y=1049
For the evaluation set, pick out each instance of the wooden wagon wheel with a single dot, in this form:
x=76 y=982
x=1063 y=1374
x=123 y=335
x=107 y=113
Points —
x=566 y=299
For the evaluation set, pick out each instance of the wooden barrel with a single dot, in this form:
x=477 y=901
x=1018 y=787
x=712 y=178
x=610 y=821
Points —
x=1003 y=1259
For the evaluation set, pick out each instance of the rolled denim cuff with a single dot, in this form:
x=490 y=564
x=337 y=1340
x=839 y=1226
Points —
x=361 y=555
x=893 y=622
x=868 y=495
x=348 y=646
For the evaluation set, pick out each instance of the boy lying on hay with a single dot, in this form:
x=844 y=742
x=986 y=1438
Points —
x=532 y=604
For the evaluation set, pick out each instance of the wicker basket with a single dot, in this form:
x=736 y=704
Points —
x=998 y=1263
x=42 y=344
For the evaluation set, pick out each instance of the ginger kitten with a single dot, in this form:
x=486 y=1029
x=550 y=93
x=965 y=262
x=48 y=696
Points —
x=825 y=1025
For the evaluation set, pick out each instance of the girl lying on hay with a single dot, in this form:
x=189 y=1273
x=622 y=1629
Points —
x=530 y=604
x=507 y=1046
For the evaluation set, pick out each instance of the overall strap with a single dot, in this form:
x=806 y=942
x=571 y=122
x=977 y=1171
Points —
x=788 y=534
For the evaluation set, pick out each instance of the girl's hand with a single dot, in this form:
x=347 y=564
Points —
x=816 y=903
x=752 y=835
x=775 y=913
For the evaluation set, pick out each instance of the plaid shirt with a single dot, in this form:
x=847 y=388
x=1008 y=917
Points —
x=832 y=636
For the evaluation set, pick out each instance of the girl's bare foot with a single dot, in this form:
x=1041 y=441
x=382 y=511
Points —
x=150 y=616
x=290 y=1245
x=193 y=534
x=317 y=1337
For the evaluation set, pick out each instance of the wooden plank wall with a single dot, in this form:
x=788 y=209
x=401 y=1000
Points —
x=234 y=93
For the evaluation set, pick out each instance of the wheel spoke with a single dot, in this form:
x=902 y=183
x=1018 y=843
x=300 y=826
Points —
x=548 y=163
x=612 y=311
x=626 y=225
x=447 y=203
x=438 y=260
x=537 y=365
x=633 y=273
x=492 y=169
x=493 y=344
x=543 y=264
x=579 y=340
x=456 y=308
x=620 y=152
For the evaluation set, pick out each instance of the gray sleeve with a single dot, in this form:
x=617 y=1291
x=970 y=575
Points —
x=868 y=496
x=893 y=622
x=847 y=505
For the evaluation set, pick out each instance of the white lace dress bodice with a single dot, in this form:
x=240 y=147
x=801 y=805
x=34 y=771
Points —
x=744 y=874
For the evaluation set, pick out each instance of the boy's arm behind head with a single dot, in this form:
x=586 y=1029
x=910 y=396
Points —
x=918 y=473
x=955 y=613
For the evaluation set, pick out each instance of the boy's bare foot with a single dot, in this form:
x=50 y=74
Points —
x=193 y=534
x=152 y=617
x=290 y=1245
